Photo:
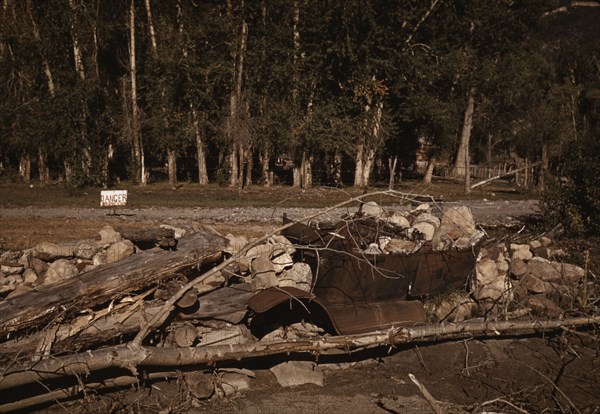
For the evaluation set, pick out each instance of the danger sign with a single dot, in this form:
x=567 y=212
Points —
x=113 y=198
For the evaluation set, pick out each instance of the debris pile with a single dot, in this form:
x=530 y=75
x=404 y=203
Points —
x=368 y=271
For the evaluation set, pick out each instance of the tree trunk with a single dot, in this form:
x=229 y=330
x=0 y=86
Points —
x=76 y=49
x=458 y=170
x=151 y=27
x=44 y=173
x=467 y=166
x=25 y=167
x=249 y=168
x=236 y=155
x=136 y=138
x=68 y=170
x=200 y=153
x=543 y=168
x=366 y=149
x=429 y=171
x=307 y=177
x=359 y=166
x=488 y=154
x=200 y=146
x=264 y=166
x=172 y=167
x=368 y=167
x=392 y=163
x=79 y=68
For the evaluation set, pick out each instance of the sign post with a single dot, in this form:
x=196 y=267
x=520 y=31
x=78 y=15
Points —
x=113 y=198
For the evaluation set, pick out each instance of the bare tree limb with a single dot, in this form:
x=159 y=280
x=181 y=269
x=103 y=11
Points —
x=131 y=358
x=489 y=180
x=426 y=394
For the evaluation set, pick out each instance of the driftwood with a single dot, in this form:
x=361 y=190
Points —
x=134 y=358
x=106 y=283
x=146 y=238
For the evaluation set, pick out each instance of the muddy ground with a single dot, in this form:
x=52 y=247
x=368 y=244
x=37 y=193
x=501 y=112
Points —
x=558 y=372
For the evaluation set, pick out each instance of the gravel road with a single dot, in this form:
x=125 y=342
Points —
x=486 y=212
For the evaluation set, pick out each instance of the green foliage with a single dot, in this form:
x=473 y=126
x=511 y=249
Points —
x=574 y=199
x=417 y=58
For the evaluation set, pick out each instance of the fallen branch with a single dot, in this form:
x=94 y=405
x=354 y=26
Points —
x=497 y=177
x=426 y=394
x=131 y=358
x=79 y=390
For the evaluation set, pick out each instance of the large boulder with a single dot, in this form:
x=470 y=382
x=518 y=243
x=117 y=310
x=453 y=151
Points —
x=293 y=373
x=51 y=251
x=299 y=276
x=372 y=209
x=60 y=270
x=492 y=281
x=108 y=235
x=426 y=229
x=458 y=222
x=119 y=251
x=397 y=219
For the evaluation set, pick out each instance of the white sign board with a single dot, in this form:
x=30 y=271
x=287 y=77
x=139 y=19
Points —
x=113 y=198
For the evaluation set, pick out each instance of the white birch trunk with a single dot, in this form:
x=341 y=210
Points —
x=172 y=167
x=392 y=163
x=236 y=156
x=138 y=150
x=200 y=152
x=459 y=164
x=359 y=166
x=429 y=171
x=76 y=48
x=151 y=27
x=263 y=157
x=366 y=150
x=25 y=167
x=44 y=173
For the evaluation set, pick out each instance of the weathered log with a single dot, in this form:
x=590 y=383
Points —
x=105 y=283
x=227 y=304
x=133 y=358
x=147 y=238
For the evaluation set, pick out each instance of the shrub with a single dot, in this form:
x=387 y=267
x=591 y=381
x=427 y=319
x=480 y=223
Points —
x=573 y=199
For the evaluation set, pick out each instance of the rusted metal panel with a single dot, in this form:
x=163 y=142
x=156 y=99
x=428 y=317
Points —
x=363 y=292
x=348 y=318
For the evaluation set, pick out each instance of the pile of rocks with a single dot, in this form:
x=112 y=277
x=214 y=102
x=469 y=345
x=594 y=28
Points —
x=46 y=263
x=450 y=228
x=527 y=277
x=269 y=264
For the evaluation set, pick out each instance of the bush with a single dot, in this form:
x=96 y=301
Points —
x=574 y=198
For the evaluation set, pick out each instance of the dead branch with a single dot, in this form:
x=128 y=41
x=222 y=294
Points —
x=78 y=390
x=489 y=180
x=131 y=358
x=426 y=394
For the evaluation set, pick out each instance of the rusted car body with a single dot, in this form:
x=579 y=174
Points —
x=361 y=292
